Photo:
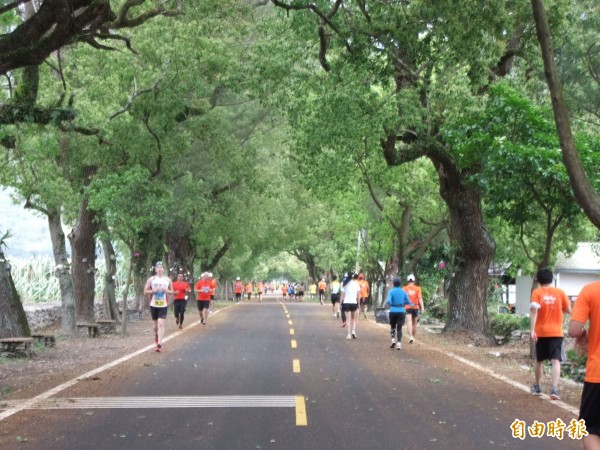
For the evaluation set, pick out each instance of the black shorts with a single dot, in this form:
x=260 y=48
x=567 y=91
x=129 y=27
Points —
x=179 y=306
x=548 y=348
x=238 y=295
x=212 y=297
x=589 y=411
x=335 y=298
x=412 y=312
x=158 y=313
x=321 y=292
x=301 y=294
x=347 y=307
x=203 y=304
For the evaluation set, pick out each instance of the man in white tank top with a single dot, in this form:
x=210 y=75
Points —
x=158 y=287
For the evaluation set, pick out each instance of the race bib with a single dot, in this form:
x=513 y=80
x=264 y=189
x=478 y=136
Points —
x=159 y=303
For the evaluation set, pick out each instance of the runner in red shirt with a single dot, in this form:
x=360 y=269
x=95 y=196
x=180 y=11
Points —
x=181 y=288
x=203 y=291
x=238 y=288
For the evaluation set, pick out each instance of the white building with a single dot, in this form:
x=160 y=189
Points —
x=579 y=269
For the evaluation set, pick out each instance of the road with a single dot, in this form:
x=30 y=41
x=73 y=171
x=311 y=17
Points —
x=275 y=375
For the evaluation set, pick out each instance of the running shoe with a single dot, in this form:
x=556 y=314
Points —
x=554 y=394
x=181 y=327
x=158 y=348
x=535 y=389
x=176 y=320
x=156 y=339
x=411 y=340
x=398 y=346
x=349 y=337
x=337 y=315
x=393 y=345
x=353 y=335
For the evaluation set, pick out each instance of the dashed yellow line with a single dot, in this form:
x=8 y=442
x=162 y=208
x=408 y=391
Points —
x=292 y=331
x=301 y=418
x=294 y=343
x=290 y=322
x=296 y=365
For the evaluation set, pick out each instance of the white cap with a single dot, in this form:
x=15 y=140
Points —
x=237 y=278
x=411 y=277
x=210 y=274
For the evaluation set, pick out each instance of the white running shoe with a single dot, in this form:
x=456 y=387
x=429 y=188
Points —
x=399 y=346
x=411 y=340
x=349 y=337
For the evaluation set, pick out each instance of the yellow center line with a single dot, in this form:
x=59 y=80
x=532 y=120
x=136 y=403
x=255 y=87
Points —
x=294 y=343
x=296 y=365
x=290 y=322
x=301 y=418
x=291 y=331
x=287 y=315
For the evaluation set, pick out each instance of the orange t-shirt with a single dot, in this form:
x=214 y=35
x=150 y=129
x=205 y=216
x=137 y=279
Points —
x=180 y=289
x=249 y=288
x=322 y=285
x=414 y=292
x=203 y=289
x=261 y=288
x=587 y=307
x=239 y=287
x=213 y=286
x=553 y=301
x=364 y=288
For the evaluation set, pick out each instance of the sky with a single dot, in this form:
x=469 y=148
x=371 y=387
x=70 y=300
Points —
x=29 y=231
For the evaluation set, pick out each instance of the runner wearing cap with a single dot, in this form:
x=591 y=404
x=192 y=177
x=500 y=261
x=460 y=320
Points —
x=181 y=288
x=412 y=311
x=238 y=288
x=203 y=300
x=158 y=286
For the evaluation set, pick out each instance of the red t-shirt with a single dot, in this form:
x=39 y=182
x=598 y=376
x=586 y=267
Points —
x=587 y=307
x=180 y=289
x=203 y=289
x=553 y=302
x=239 y=287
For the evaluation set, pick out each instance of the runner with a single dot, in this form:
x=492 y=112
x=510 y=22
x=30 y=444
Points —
x=300 y=292
x=238 y=288
x=312 y=291
x=546 y=311
x=181 y=288
x=412 y=311
x=261 y=289
x=349 y=300
x=248 y=289
x=284 y=291
x=397 y=299
x=335 y=288
x=158 y=286
x=203 y=297
x=291 y=292
x=322 y=286
x=587 y=307
x=213 y=289
x=364 y=294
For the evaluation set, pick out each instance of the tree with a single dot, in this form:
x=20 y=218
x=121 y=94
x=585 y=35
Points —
x=13 y=321
x=585 y=193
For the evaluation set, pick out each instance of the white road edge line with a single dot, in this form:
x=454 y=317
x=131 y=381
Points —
x=513 y=383
x=29 y=404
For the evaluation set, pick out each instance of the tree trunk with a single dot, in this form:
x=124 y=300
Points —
x=586 y=195
x=125 y=294
x=13 y=321
x=467 y=296
x=110 y=258
x=83 y=245
x=63 y=272
x=182 y=253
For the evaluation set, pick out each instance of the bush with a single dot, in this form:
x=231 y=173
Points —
x=438 y=310
x=504 y=324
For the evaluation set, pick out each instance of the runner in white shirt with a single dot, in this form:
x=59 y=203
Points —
x=158 y=287
x=349 y=300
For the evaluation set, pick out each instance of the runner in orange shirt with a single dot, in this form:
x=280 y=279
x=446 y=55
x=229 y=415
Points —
x=546 y=311
x=238 y=288
x=261 y=289
x=284 y=291
x=322 y=286
x=203 y=301
x=249 y=290
x=412 y=311
x=181 y=288
x=364 y=294
x=587 y=307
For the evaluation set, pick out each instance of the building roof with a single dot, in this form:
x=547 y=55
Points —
x=585 y=259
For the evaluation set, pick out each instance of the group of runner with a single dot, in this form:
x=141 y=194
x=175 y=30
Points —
x=249 y=289
x=159 y=286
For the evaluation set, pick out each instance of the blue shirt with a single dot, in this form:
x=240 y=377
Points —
x=397 y=299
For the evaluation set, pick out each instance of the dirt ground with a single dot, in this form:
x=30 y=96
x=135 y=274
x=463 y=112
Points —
x=23 y=378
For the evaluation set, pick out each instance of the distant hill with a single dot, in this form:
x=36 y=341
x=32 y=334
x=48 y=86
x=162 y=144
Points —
x=29 y=231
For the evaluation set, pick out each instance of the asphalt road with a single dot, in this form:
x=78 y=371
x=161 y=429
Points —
x=283 y=376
